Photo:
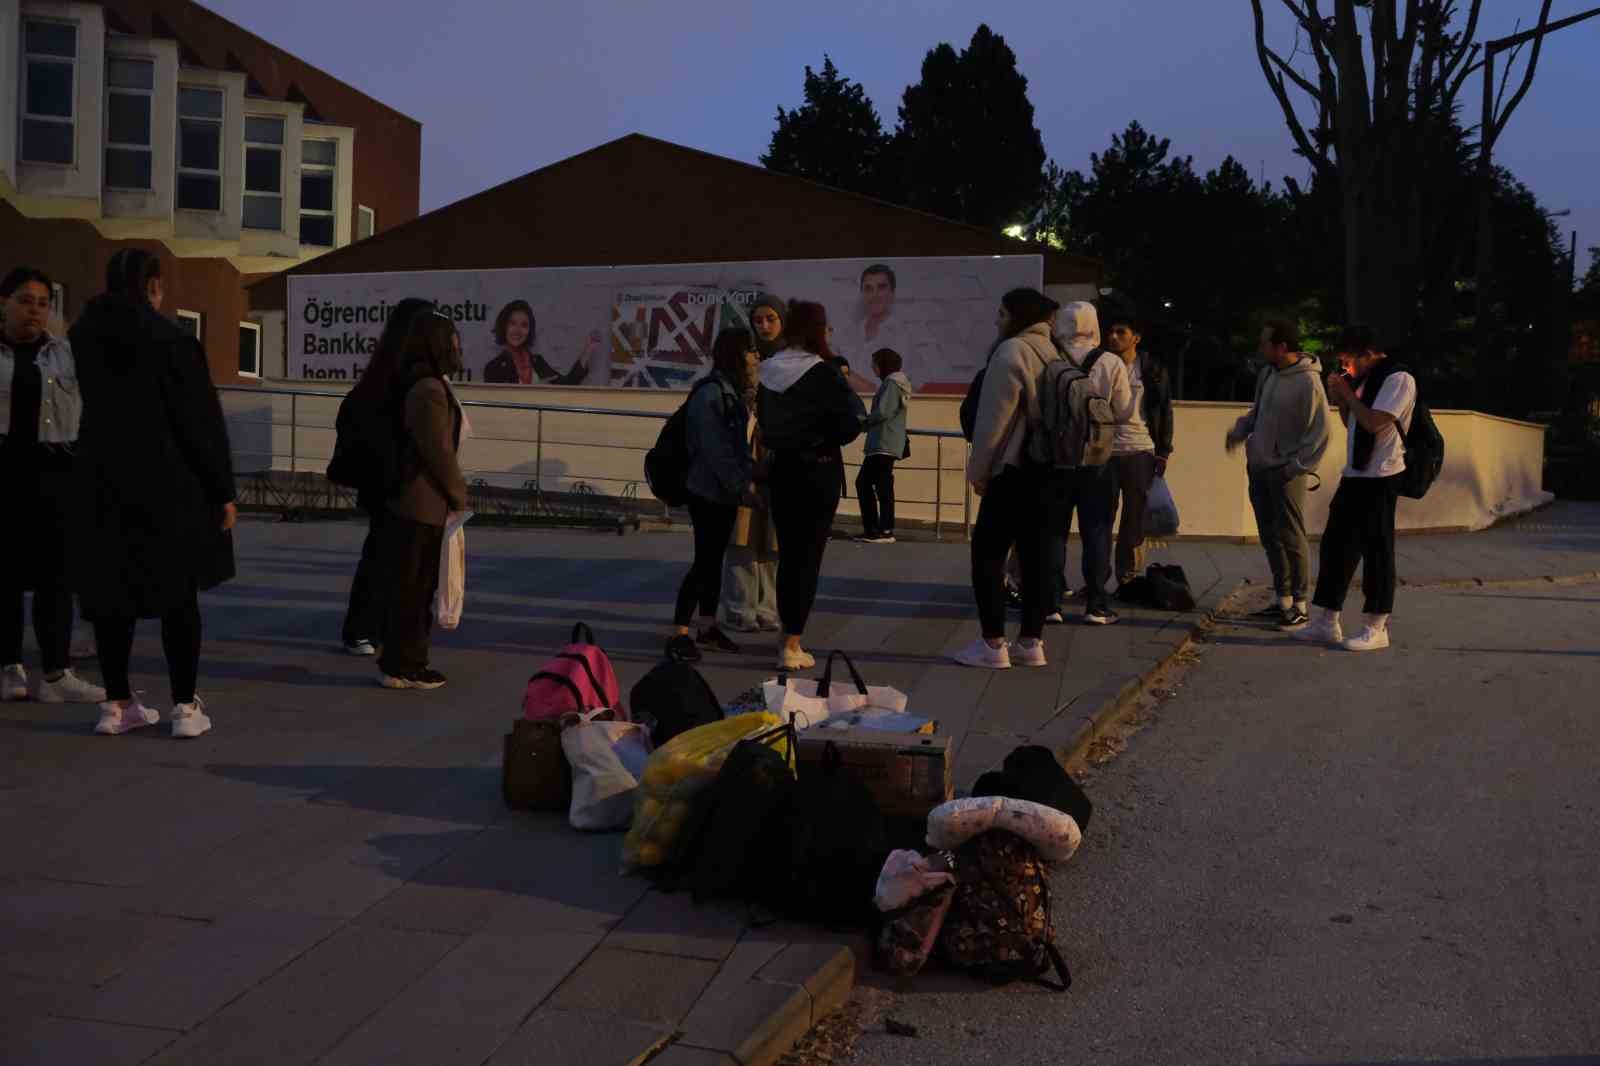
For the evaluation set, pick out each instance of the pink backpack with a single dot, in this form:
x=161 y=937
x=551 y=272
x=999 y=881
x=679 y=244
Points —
x=579 y=678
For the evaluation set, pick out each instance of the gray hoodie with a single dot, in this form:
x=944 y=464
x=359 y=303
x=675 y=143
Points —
x=1287 y=426
x=886 y=425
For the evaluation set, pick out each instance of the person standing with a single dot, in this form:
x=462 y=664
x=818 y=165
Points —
x=432 y=488
x=1285 y=433
x=1143 y=442
x=158 y=489
x=719 y=480
x=807 y=413
x=40 y=411
x=1377 y=399
x=368 y=411
x=750 y=581
x=887 y=444
x=1021 y=499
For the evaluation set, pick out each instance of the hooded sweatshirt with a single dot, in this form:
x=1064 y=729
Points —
x=886 y=425
x=1287 y=426
x=1079 y=338
x=804 y=405
x=1009 y=401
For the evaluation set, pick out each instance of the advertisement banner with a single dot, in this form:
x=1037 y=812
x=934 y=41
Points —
x=652 y=327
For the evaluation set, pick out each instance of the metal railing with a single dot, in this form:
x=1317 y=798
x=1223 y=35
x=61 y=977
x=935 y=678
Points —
x=539 y=410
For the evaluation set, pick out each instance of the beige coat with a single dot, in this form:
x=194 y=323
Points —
x=433 y=429
x=753 y=527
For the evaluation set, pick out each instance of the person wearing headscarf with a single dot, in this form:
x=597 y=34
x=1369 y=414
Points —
x=750 y=578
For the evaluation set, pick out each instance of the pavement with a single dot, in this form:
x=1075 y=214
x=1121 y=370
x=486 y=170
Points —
x=330 y=876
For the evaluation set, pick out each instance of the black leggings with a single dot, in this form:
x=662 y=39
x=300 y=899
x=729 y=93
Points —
x=52 y=624
x=180 y=640
x=1021 y=508
x=364 y=619
x=805 y=497
x=875 y=491
x=702 y=585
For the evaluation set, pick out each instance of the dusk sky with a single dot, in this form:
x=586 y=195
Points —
x=503 y=87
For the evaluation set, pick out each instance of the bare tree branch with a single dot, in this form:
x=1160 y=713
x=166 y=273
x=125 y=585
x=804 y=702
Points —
x=1293 y=74
x=1468 y=48
x=1527 y=74
x=1473 y=66
x=1318 y=158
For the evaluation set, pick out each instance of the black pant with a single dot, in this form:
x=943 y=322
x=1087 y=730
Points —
x=1360 y=531
x=180 y=641
x=702 y=585
x=52 y=624
x=1135 y=474
x=875 y=491
x=408 y=563
x=805 y=497
x=364 y=618
x=1023 y=508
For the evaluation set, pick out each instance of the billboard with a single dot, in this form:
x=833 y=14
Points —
x=652 y=327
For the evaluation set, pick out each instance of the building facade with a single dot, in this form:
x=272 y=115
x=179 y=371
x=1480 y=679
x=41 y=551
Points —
x=160 y=124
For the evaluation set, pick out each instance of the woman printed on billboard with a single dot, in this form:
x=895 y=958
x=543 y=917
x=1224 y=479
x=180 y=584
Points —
x=518 y=364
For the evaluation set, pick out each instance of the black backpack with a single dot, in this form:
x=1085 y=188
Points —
x=1166 y=588
x=369 y=451
x=675 y=698
x=969 y=405
x=666 y=466
x=1032 y=773
x=1424 y=446
x=837 y=845
x=730 y=849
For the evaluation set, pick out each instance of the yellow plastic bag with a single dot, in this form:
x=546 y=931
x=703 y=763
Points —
x=677 y=772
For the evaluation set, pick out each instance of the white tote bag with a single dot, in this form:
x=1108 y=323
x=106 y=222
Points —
x=810 y=703
x=451 y=592
x=607 y=759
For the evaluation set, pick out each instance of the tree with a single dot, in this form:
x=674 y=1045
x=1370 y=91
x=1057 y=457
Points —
x=835 y=137
x=1380 y=136
x=966 y=147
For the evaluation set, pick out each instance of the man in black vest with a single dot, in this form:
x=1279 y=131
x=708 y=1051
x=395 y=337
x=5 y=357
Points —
x=1376 y=399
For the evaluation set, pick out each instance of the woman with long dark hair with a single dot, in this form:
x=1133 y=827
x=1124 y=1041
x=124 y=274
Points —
x=519 y=363
x=158 y=488
x=432 y=487
x=720 y=467
x=369 y=427
x=1022 y=498
x=807 y=413
x=40 y=411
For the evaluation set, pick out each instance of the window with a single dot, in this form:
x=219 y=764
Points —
x=366 y=222
x=249 y=350
x=263 y=173
x=318 y=162
x=192 y=323
x=199 y=149
x=129 y=87
x=49 y=59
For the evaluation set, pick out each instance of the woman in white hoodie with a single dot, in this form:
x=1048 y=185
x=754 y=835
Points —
x=1022 y=500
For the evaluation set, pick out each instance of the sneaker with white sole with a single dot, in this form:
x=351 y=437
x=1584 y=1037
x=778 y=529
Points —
x=116 y=719
x=13 y=683
x=1293 y=620
x=795 y=660
x=70 y=688
x=1028 y=653
x=1374 y=636
x=985 y=656
x=189 y=719
x=425 y=679
x=361 y=647
x=1324 y=628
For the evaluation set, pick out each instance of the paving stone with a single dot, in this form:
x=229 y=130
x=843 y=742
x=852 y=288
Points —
x=46 y=1041
x=826 y=971
x=756 y=1022
x=555 y=1036
x=672 y=924
x=657 y=989
x=683 y=1055
x=82 y=946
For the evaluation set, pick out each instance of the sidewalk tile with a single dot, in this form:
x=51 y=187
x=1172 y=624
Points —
x=555 y=1036
x=683 y=1055
x=672 y=924
x=48 y=1041
x=755 y=1022
x=657 y=989
x=827 y=971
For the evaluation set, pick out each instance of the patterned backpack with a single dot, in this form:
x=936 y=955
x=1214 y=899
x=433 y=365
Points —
x=1000 y=926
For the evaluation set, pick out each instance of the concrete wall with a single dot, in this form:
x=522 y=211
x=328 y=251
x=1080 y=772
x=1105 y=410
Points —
x=1493 y=466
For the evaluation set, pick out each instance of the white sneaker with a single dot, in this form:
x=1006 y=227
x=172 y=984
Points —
x=1374 y=636
x=795 y=660
x=70 y=688
x=13 y=683
x=1324 y=628
x=361 y=647
x=115 y=720
x=1028 y=653
x=985 y=656
x=189 y=719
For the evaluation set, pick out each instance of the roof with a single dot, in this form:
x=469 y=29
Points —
x=640 y=200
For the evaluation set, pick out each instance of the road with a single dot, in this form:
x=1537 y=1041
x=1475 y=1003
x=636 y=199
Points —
x=1308 y=856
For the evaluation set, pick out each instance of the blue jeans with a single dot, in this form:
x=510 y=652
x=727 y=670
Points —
x=1093 y=494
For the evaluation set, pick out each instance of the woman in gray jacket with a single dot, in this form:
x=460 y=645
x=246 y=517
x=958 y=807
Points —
x=886 y=445
x=720 y=468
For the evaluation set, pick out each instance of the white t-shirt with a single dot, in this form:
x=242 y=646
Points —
x=1398 y=397
x=1133 y=436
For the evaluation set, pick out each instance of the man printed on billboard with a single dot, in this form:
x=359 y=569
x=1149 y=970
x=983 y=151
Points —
x=875 y=327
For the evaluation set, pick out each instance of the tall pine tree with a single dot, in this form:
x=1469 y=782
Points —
x=835 y=137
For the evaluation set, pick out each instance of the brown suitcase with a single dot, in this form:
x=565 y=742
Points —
x=908 y=774
x=535 y=775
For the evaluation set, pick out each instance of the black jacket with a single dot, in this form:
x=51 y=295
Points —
x=818 y=414
x=154 y=461
x=1157 y=402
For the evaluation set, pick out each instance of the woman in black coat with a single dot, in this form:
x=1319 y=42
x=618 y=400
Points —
x=158 y=488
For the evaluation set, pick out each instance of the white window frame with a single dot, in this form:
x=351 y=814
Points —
x=281 y=148
x=253 y=327
x=221 y=123
x=197 y=318
x=333 y=174
x=71 y=120
x=150 y=102
x=366 y=218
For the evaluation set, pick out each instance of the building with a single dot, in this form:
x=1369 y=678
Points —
x=161 y=124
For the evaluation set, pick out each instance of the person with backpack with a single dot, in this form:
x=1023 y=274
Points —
x=369 y=438
x=431 y=488
x=750 y=585
x=807 y=413
x=158 y=493
x=887 y=444
x=1143 y=439
x=1377 y=399
x=1021 y=500
x=719 y=480
x=1285 y=433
